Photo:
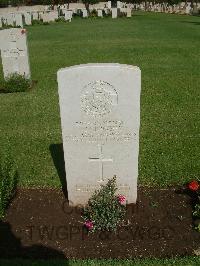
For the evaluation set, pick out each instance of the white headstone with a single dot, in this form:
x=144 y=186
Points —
x=100 y=13
x=170 y=9
x=50 y=16
x=188 y=8
x=75 y=10
x=100 y=117
x=109 y=4
x=18 y=20
x=3 y=19
x=10 y=19
x=1 y=24
x=45 y=17
x=53 y=15
x=142 y=7
x=159 y=8
x=114 y=12
x=35 y=15
x=106 y=10
x=14 y=52
x=41 y=14
x=68 y=15
x=128 y=13
x=119 y=4
x=27 y=18
x=85 y=13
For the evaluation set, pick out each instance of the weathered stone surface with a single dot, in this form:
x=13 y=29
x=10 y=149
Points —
x=100 y=117
x=14 y=52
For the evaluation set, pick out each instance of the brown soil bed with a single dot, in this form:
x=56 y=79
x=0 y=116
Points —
x=39 y=224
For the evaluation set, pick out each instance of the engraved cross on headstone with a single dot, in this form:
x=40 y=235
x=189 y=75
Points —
x=101 y=160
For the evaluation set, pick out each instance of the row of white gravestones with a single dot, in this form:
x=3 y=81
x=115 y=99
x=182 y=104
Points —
x=127 y=11
x=181 y=8
x=7 y=19
x=16 y=19
x=49 y=16
x=100 y=118
x=14 y=52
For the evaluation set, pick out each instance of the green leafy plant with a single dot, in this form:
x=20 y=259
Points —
x=196 y=211
x=46 y=23
x=37 y=22
x=15 y=83
x=122 y=15
x=60 y=19
x=106 y=15
x=8 y=183
x=196 y=216
x=105 y=210
x=94 y=13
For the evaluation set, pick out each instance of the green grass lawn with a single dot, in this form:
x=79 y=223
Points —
x=165 y=47
x=188 y=261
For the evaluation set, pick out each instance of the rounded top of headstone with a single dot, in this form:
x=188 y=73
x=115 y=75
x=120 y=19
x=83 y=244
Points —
x=103 y=65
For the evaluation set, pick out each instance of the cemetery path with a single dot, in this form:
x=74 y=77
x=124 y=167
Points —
x=39 y=223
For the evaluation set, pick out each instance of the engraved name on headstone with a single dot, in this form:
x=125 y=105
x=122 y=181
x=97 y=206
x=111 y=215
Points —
x=100 y=118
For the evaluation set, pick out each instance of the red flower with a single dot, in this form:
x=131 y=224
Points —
x=193 y=185
x=23 y=31
x=121 y=199
x=89 y=224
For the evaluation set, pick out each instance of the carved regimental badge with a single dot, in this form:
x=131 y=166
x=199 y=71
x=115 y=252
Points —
x=98 y=98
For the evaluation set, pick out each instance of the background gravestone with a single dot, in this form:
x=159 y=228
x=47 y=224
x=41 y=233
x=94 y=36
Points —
x=19 y=20
x=100 y=117
x=35 y=15
x=14 y=52
x=27 y=18
x=68 y=15
x=114 y=12
x=100 y=13
x=10 y=19
x=85 y=13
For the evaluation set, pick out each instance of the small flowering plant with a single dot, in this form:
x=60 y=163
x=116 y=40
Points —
x=105 y=210
x=89 y=224
x=23 y=31
x=194 y=185
x=121 y=199
x=194 y=188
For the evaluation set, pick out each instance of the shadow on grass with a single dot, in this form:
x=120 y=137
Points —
x=57 y=155
x=191 y=22
x=11 y=247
